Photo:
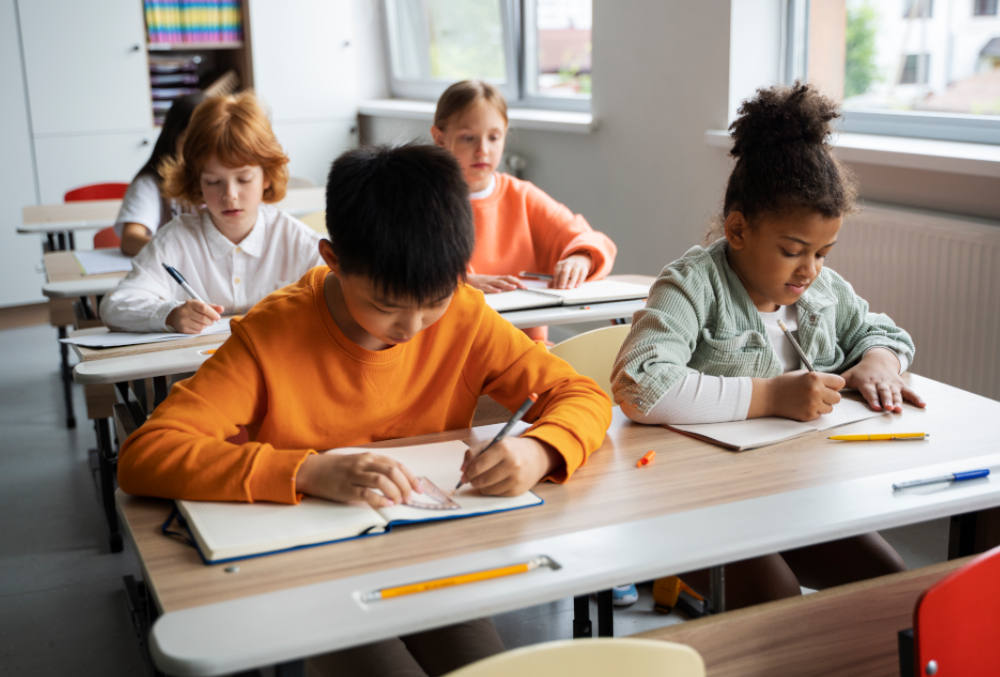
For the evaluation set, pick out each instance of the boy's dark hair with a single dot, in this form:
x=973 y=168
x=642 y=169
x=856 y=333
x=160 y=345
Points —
x=401 y=217
x=783 y=160
x=173 y=126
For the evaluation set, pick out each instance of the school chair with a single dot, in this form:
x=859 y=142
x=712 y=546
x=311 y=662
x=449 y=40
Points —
x=316 y=221
x=956 y=624
x=105 y=237
x=591 y=658
x=593 y=353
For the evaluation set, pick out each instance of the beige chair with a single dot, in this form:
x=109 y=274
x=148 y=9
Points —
x=316 y=221
x=593 y=353
x=597 y=657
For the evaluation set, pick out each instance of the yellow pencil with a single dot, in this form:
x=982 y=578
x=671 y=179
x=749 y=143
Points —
x=880 y=436
x=458 y=579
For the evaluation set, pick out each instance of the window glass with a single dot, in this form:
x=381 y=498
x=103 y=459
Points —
x=562 y=48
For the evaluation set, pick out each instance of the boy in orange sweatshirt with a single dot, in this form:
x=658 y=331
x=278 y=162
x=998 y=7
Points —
x=386 y=342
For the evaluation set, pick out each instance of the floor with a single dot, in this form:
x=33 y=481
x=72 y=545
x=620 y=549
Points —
x=62 y=605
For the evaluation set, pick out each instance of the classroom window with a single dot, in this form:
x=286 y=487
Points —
x=984 y=8
x=915 y=69
x=536 y=51
x=936 y=78
x=918 y=9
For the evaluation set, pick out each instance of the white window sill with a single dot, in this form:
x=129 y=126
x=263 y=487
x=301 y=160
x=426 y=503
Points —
x=976 y=159
x=520 y=118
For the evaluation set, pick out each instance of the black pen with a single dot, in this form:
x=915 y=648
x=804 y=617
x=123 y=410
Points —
x=518 y=415
x=176 y=274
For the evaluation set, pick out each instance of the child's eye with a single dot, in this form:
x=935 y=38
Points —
x=788 y=254
x=211 y=182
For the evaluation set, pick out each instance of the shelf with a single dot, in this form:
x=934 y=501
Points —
x=192 y=46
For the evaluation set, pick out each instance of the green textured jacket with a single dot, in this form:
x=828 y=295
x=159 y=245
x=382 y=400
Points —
x=699 y=317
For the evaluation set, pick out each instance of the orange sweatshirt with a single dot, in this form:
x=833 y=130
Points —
x=298 y=384
x=519 y=227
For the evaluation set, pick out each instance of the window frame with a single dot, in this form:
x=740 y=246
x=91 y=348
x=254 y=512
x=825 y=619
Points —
x=520 y=40
x=961 y=127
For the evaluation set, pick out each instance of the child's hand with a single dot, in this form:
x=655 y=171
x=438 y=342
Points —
x=491 y=284
x=877 y=378
x=354 y=477
x=799 y=395
x=572 y=271
x=510 y=467
x=193 y=316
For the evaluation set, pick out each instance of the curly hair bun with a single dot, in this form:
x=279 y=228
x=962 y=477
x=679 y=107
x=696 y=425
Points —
x=782 y=115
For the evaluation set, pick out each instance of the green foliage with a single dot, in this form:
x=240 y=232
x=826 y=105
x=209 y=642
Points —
x=860 y=70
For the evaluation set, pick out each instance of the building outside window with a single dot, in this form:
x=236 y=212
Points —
x=536 y=51
x=932 y=70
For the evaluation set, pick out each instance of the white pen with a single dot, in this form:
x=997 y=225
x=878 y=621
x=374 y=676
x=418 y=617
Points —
x=950 y=477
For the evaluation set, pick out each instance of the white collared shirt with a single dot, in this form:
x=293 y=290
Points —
x=277 y=251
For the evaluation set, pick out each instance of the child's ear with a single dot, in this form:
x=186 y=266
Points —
x=736 y=227
x=329 y=258
x=438 y=135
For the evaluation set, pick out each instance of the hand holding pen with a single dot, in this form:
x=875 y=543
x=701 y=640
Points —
x=509 y=466
x=195 y=314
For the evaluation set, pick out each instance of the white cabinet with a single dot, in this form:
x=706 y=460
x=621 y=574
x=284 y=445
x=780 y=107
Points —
x=313 y=146
x=66 y=162
x=305 y=73
x=85 y=62
x=20 y=255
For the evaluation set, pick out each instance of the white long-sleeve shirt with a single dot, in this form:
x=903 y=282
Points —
x=277 y=251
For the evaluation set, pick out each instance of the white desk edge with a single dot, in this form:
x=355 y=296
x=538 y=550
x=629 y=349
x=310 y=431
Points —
x=276 y=627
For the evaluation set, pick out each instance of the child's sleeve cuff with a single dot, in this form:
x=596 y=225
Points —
x=273 y=475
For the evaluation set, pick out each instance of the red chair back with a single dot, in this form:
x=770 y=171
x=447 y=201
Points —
x=956 y=624
x=106 y=237
x=96 y=191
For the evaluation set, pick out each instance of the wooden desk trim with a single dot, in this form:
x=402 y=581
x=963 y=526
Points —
x=850 y=629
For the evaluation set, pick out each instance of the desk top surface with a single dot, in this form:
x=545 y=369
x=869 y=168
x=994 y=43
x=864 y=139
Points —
x=94 y=214
x=695 y=506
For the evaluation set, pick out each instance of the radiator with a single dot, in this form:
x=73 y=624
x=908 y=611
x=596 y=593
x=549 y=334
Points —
x=938 y=276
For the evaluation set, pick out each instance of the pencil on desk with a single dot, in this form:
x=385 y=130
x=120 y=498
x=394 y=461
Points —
x=879 y=436
x=458 y=579
x=795 y=344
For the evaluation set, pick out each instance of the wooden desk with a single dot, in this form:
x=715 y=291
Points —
x=698 y=505
x=65 y=284
x=60 y=221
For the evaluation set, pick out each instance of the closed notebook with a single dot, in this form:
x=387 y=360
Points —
x=760 y=432
x=538 y=295
x=224 y=531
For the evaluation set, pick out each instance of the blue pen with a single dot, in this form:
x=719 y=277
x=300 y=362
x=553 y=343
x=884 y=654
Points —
x=176 y=274
x=951 y=477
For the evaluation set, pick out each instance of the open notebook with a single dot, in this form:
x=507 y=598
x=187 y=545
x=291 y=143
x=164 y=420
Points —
x=229 y=531
x=538 y=295
x=759 y=432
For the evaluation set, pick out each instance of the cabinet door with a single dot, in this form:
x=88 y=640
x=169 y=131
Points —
x=20 y=255
x=303 y=58
x=313 y=146
x=86 y=65
x=66 y=162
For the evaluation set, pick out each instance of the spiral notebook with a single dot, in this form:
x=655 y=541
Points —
x=226 y=531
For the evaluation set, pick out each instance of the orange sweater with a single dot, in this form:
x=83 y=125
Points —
x=291 y=377
x=519 y=227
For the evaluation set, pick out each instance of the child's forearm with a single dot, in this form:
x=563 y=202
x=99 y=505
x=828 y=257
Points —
x=762 y=398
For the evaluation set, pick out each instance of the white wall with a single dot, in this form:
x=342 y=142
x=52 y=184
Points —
x=645 y=175
x=20 y=255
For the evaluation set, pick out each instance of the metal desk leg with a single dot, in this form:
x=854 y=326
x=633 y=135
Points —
x=67 y=379
x=605 y=614
x=717 y=589
x=159 y=390
x=106 y=465
x=581 y=617
x=290 y=669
